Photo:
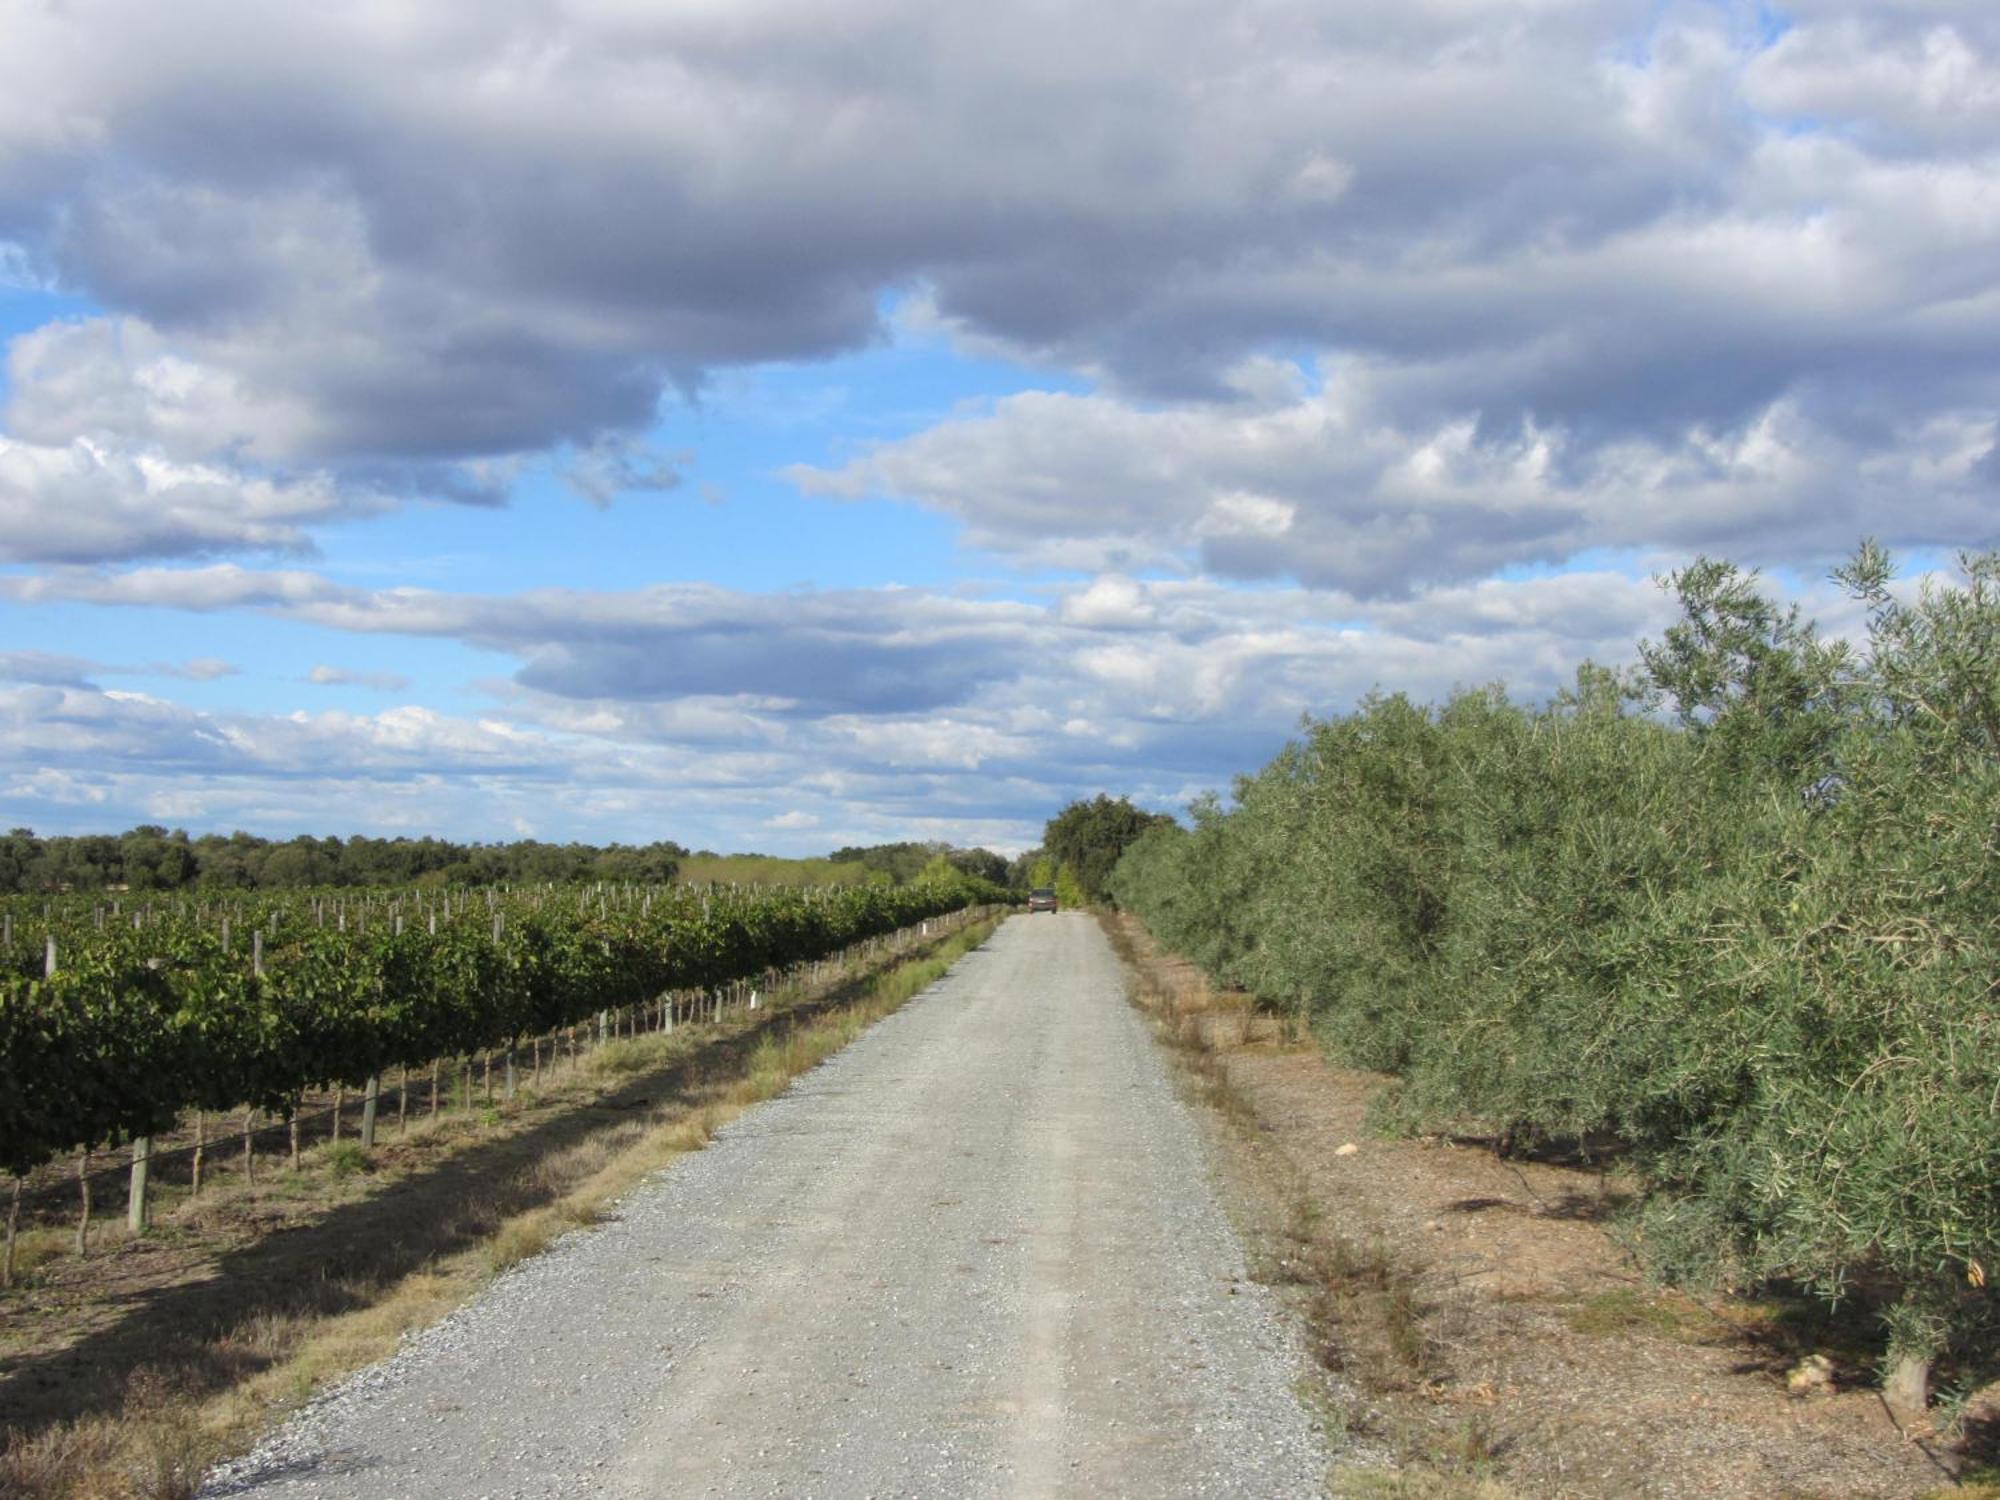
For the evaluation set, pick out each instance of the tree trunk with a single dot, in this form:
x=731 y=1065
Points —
x=1908 y=1388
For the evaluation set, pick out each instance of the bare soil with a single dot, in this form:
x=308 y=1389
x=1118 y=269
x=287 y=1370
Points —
x=1495 y=1328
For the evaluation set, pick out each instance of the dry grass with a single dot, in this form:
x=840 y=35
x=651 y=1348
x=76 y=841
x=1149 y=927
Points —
x=168 y=1428
x=1418 y=1484
x=34 y=1248
x=1361 y=1303
x=157 y=1450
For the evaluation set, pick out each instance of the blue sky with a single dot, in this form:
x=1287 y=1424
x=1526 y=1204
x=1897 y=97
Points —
x=778 y=426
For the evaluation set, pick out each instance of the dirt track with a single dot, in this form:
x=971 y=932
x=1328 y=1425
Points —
x=977 y=1253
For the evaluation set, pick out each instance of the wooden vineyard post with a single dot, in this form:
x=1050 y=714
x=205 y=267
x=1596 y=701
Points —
x=510 y=1071
x=13 y=1228
x=135 y=1203
x=249 y=1144
x=339 y=1108
x=292 y=1130
x=402 y=1102
x=538 y=1062
x=370 y=1096
x=437 y=1071
x=487 y=1061
x=83 y=1186
x=200 y=1149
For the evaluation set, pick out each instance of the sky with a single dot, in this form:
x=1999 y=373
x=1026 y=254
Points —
x=780 y=424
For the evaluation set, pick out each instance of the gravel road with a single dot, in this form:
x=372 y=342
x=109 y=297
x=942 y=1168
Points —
x=979 y=1252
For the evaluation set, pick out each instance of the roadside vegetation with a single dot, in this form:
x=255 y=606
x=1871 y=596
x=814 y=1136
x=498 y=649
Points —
x=1732 y=920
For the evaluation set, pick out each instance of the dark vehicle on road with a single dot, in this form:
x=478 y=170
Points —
x=1041 y=898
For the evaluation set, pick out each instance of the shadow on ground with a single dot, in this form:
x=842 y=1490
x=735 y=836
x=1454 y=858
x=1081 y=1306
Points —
x=334 y=1264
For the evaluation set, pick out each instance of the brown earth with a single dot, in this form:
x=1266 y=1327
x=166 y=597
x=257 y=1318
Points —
x=1495 y=1337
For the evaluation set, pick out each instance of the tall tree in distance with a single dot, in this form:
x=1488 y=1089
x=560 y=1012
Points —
x=1089 y=837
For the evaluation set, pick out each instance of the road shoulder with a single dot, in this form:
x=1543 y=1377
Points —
x=1484 y=1334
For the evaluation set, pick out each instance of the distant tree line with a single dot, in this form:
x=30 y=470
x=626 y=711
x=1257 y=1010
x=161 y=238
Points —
x=152 y=858
x=903 y=862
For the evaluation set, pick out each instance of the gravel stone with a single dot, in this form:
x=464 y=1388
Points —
x=979 y=1252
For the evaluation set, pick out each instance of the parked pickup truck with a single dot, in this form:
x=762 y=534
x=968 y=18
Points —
x=1041 y=898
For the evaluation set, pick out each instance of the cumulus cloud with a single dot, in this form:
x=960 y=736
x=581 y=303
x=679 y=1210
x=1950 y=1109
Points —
x=1335 y=486
x=386 y=247
x=86 y=502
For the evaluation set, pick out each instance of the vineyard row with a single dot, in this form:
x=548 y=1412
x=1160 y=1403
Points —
x=111 y=1030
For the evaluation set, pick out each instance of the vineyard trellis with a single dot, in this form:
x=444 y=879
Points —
x=118 y=1018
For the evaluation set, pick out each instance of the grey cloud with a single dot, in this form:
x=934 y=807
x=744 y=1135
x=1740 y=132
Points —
x=1337 y=486
x=55 y=670
x=200 y=669
x=1148 y=686
x=393 y=246
x=893 y=677
x=47 y=669
x=866 y=651
x=611 y=467
x=382 y=682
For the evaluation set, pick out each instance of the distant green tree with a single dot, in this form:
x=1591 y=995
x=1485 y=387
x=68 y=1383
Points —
x=1089 y=837
x=981 y=864
x=19 y=851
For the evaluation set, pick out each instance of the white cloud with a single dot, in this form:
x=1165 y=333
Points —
x=381 y=682
x=86 y=502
